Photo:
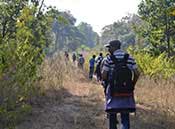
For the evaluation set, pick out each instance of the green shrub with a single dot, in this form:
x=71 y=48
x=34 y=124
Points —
x=154 y=66
x=20 y=56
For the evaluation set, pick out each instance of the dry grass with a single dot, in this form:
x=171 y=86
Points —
x=81 y=101
x=79 y=105
x=157 y=96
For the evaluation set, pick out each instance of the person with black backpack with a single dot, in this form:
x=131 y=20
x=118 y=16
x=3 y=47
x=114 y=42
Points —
x=98 y=66
x=120 y=70
x=81 y=61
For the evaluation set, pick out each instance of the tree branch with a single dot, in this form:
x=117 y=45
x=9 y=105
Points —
x=40 y=7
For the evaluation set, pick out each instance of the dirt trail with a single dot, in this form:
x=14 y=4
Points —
x=81 y=107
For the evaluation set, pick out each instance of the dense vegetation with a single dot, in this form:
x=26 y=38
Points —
x=67 y=36
x=122 y=30
x=24 y=30
x=156 y=49
x=159 y=25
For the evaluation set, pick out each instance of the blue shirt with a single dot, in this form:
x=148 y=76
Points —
x=91 y=62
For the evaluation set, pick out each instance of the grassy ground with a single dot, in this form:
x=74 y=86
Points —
x=79 y=103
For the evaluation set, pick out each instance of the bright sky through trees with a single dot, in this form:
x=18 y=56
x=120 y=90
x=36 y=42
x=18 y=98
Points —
x=98 y=13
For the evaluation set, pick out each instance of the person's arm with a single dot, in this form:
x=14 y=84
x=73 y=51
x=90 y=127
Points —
x=104 y=80
x=136 y=76
x=134 y=69
x=104 y=75
x=104 y=69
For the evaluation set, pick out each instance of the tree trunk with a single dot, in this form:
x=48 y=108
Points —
x=167 y=33
x=4 y=28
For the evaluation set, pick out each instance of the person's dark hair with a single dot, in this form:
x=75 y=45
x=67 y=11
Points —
x=93 y=56
x=101 y=54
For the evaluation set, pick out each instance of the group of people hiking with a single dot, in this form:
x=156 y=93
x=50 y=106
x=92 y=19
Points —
x=95 y=66
x=118 y=75
x=80 y=59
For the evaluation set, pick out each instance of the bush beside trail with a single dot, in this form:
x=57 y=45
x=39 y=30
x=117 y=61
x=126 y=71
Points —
x=23 y=38
x=160 y=66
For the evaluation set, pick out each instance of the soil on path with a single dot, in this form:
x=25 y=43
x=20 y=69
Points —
x=79 y=105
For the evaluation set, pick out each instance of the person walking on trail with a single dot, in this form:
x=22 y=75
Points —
x=91 y=66
x=74 y=57
x=81 y=61
x=66 y=55
x=104 y=82
x=120 y=70
x=98 y=66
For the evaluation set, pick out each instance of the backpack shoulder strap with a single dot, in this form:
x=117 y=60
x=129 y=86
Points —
x=126 y=56
x=114 y=59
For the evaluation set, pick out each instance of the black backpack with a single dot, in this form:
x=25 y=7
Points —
x=121 y=79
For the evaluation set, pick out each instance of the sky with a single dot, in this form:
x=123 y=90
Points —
x=97 y=13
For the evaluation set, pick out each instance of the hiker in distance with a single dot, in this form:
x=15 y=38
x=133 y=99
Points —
x=74 y=57
x=66 y=55
x=91 y=67
x=81 y=61
x=98 y=66
x=120 y=72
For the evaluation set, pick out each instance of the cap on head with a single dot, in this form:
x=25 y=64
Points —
x=114 y=43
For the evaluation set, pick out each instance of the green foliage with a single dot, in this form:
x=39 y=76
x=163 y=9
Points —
x=159 y=24
x=90 y=36
x=23 y=38
x=68 y=36
x=154 y=66
x=11 y=118
x=83 y=48
x=122 y=30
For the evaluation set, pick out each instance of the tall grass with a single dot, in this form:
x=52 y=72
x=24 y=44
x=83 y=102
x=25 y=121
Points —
x=55 y=71
x=156 y=93
x=158 y=97
x=17 y=98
